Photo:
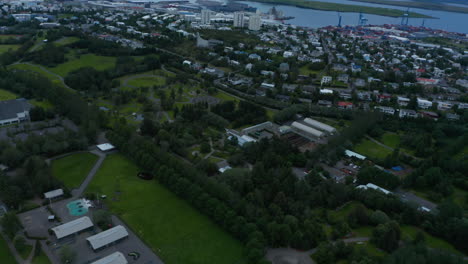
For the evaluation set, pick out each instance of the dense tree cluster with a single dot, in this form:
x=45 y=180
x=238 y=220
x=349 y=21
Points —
x=242 y=114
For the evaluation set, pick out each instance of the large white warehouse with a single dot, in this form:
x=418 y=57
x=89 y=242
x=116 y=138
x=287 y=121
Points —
x=319 y=125
x=307 y=129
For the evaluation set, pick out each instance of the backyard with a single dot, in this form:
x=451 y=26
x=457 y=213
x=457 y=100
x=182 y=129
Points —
x=72 y=169
x=171 y=227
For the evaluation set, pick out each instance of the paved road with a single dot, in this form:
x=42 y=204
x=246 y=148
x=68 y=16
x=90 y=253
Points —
x=410 y=197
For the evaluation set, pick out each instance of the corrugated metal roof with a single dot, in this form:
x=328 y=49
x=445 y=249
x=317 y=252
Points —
x=53 y=194
x=72 y=227
x=106 y=237
x=114 y=258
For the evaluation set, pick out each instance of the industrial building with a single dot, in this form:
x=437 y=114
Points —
x=320 y=126
x=107 y=237
x=73 y=227
x=307 y=130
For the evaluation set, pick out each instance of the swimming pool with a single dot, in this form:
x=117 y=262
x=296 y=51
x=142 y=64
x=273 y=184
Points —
x=77 y=208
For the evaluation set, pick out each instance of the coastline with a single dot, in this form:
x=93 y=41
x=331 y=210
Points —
x=420 y=5
x=345 y=8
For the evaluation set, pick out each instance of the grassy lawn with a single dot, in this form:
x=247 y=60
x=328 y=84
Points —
x=37 y=69
x=304 y=70
x=460 y=197
x=225 y=96
x=343 y=212
x=6 y=47
x=147 y=81
x=7 y=95
x=72 y=169
x=6 y=256
x=66 y=41
x=433 y=242
x=370 y=249
x=463 y=153
x=3 y=37
x=41 y=259
x=44 y=104
x=363 y=231
x=171 y=227
x=88 y=60
x=372 y=150
x=390 y=139
x=24 y=253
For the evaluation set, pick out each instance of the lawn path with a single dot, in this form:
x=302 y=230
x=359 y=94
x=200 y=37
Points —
x=49 y=72
x=78 y=192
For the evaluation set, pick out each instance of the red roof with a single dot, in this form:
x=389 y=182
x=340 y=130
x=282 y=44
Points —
x=425 y=80
x=345 y=104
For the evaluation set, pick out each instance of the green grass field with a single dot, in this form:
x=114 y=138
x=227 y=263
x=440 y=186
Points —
x=5 y=47
x=37 y=69
x=170 y=226
x=225 y=96
x=41 y=259
x=433 y=242
x=7 y=95
x=372 y=150
x=88 y=60
x=147 y=81
x=6 y=256
x=304 y=70
x=3 y=37
x=66 y=41
x=390 y=139
x=463 y=153
x=72 y=169
x=44 y=104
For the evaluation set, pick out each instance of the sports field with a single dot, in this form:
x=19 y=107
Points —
x=7 y=95
x=88 y=60
x=170 y=226
x=72 y=169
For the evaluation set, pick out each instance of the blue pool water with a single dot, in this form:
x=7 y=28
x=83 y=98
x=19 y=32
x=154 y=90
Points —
x=77 y=208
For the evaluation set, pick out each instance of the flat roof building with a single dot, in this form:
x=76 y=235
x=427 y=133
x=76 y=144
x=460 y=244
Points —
x=105 y=147
x=53 y=194
x=72 y=227
x=114 y=258
x=107 y=237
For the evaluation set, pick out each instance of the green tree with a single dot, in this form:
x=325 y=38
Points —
x=10 y=224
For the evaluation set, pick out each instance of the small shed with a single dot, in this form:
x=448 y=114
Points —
x=53 y=194
x=105 y=147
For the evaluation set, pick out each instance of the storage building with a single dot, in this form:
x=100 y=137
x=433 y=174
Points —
x=114 y=258
x=319 y=125
x=107 y=237
x=307 y=129
x=73 y=227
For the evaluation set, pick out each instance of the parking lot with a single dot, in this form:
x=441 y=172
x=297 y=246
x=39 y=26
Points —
x=40 y=225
